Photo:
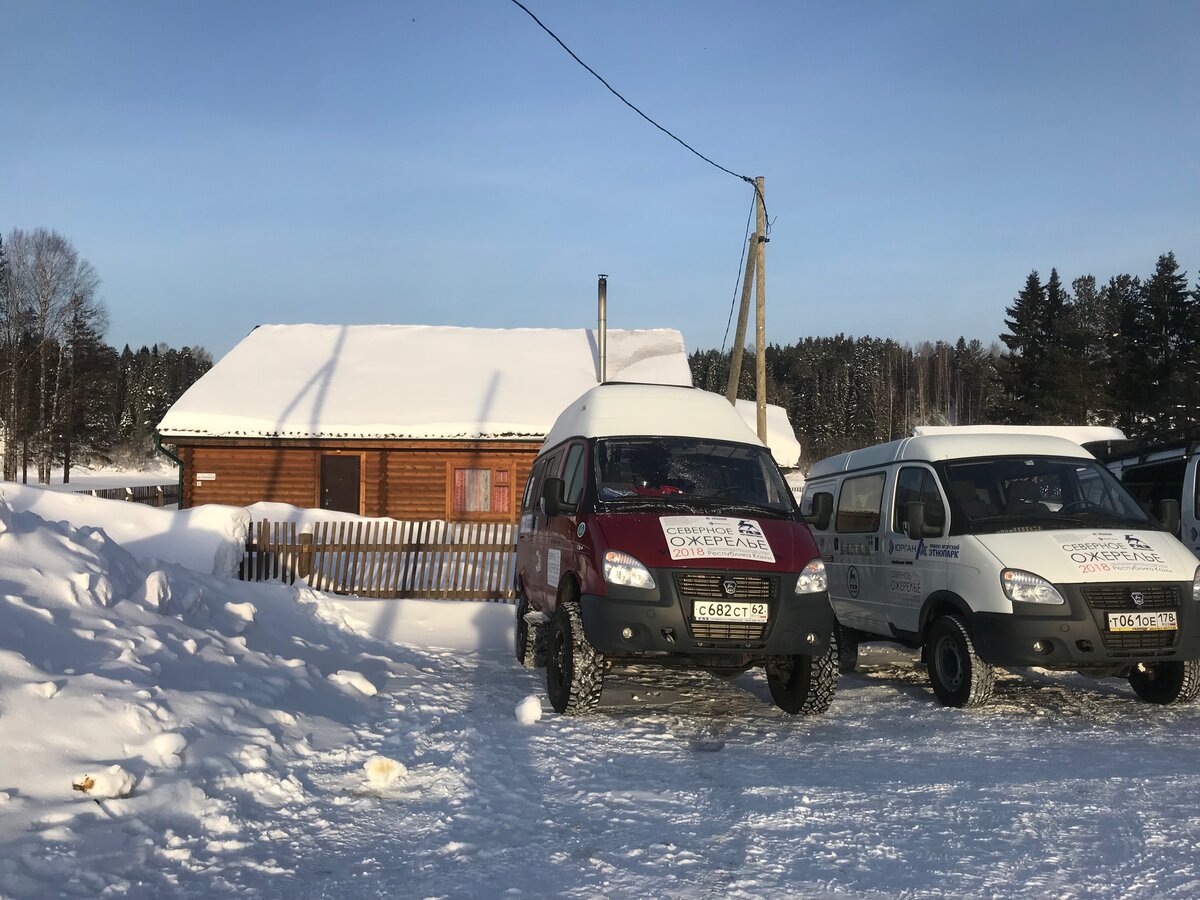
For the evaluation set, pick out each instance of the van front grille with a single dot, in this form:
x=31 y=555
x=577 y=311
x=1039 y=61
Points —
x=707 y=586
x=1106 y=598
x=726 y=631
x=1120 y=596
x=1132 y=641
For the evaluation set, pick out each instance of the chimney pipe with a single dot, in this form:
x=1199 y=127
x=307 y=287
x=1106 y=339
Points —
x=601 y=335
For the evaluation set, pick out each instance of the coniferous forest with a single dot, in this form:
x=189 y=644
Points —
x=1125 y=352
x=67 y=397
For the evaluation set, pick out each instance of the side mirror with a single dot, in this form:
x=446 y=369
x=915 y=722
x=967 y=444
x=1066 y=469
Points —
x=916 y=528
x=1168 y=514
x=552 y=497
x=822 y=511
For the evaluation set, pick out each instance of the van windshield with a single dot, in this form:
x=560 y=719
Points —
x=709 y=476
x=1037 y=493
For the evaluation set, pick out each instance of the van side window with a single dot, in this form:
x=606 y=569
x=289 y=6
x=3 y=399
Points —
x=573 y=475
x=532 y=487
x=859 y=503
x=917 y=485
x=1157 y=481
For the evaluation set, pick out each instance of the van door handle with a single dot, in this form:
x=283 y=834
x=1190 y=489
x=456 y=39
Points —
x=835 y=543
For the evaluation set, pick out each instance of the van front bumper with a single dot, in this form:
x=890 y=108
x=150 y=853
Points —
x=1078 y=636
x=661 y=622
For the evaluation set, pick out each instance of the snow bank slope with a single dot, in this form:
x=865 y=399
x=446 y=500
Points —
x=172 y=676
x=207 y=539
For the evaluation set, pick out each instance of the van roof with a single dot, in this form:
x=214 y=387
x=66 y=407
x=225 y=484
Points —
x=1080 y=434
x=937 y=447
x=662 y=410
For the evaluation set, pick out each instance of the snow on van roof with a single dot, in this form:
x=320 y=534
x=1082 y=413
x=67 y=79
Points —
x=412 y=381
x=611 y=410
x=936 y=447
x=1080 y=434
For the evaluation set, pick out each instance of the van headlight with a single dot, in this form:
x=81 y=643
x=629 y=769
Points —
x=623 y=569
x=1025 y=587
x=1196 y=585
x=812 y=578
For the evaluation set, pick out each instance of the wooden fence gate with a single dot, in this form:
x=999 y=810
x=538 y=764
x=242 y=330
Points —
x=386 y=558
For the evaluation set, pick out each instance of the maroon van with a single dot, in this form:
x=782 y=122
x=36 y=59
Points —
x=656 y=528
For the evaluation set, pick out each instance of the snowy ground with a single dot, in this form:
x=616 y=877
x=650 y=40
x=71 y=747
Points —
x=244 y=716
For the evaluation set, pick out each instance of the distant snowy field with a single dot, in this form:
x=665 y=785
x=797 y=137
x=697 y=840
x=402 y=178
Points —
x=278 y=742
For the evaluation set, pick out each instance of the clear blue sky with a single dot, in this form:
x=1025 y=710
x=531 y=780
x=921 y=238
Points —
x=226 y=164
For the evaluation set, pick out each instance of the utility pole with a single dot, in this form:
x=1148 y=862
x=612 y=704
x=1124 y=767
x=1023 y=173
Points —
x=756 y=274
x=760 y=308
x=739 y=341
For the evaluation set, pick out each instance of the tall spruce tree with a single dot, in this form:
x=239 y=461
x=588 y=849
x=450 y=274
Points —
x=1021 y=372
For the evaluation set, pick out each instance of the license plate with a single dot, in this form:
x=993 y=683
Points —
x=1142 y=621
x=724 y=611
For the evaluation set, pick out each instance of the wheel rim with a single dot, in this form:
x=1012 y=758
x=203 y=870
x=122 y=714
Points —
x=949 y=663
x=559 y=661
x=522 y=628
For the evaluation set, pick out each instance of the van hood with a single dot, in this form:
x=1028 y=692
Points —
x=710 y=541
x=1071 y=557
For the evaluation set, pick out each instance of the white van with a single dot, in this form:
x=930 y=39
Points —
x=1004 y=550
x=1157 y=472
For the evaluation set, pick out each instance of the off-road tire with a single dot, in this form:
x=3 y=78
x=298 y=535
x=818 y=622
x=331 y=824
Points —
x=1174 y=681
x=959 y=677
x=529 y=640
x=805 y=685
x=847 y=642
x=574 y=668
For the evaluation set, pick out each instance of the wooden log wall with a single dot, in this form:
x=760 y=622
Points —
x=409 y=480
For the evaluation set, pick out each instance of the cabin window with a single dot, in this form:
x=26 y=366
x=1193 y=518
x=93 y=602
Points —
x=482 y=491
x=917 y=485
x=859 y=503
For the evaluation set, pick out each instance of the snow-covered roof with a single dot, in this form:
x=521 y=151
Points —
x=932 y=448
x=653 y=409
x=780 y=436
x=412 y=381
x=670 y=411
x=1080 y=434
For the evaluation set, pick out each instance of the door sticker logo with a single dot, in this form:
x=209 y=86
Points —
x=852 y=582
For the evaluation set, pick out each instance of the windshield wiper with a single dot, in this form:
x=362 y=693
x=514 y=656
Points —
x=743 y=505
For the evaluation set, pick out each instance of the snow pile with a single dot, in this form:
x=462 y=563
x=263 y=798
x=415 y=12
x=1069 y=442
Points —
x=529 y=710
x=208 y=539
x=383 y=772
x=155 y=692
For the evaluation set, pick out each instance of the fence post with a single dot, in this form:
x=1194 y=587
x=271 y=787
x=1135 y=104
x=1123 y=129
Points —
x=129 y=494
x=306 y=554
x=158 y=495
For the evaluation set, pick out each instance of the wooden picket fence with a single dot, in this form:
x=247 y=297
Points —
x=149 y=494
x=386 y=558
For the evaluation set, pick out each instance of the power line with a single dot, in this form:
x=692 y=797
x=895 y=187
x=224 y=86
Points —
x=615 y=93
x=737 y=284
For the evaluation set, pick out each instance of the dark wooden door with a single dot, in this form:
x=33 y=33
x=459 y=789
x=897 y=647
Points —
x=339 y=483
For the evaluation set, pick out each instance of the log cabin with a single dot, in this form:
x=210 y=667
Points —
x=405 y=421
